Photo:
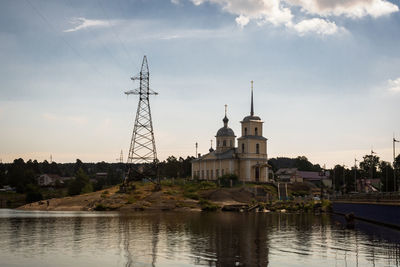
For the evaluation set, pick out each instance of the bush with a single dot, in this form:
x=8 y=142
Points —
x=33 y=196
x=225 y=180
x=33 y=193
x=208 y=205
x=191 y=195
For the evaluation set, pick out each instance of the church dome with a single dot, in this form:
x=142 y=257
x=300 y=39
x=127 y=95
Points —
x=225 y=131
x=251 y=118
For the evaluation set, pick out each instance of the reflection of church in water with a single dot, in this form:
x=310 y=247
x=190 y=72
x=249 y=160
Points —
x=248 y=161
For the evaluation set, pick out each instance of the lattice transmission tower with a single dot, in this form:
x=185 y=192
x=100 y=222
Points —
x=143 y=146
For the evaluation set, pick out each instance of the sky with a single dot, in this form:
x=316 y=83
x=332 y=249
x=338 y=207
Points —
x=326 y=76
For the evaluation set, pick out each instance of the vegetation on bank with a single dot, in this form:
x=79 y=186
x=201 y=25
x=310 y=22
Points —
x=23 y=177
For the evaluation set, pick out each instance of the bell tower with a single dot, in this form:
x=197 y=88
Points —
x=252 y=147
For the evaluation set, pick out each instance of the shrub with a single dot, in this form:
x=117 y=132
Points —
x=33 y=196
x=208 y=205
x=191 y=195
x=225 y=180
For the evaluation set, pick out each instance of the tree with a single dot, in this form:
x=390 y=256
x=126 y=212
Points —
x=386 y=176
x=369 y=165
x=80 y=184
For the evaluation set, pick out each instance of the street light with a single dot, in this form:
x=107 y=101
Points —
x=394 y=162
x=355 y=175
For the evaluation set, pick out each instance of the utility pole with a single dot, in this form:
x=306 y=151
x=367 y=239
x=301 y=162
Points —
x=394 y=163
x=344 y=181
x=197 y=145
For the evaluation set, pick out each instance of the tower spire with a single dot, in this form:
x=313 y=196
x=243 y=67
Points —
x=252 y=106
x=225 y=120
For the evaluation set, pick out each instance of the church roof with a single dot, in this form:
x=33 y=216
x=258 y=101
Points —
x=228 y=154
x=251 y=118
x=225 y=131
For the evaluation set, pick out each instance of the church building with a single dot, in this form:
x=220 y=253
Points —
x=248 y=160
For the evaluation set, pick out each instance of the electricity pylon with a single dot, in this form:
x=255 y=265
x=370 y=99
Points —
x=143 y=145
x=142 y=157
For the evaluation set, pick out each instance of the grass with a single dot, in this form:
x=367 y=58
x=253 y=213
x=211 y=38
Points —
x=207 y=205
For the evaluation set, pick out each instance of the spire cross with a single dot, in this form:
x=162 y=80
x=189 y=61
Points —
x=252 y=106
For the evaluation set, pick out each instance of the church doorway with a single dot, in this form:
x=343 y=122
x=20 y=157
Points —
x=257 y=174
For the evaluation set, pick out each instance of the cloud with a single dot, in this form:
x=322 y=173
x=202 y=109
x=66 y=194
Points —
x=176 y=2
x=316 y=25
x=310 y=17
x=348 y=8
x=262 y=10
x=394 y=86
x=82 y=23
x=242 y=21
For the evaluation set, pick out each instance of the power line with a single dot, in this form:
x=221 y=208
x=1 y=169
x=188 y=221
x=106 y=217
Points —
x=64 y=40
x=113 y=30
x=105 y=48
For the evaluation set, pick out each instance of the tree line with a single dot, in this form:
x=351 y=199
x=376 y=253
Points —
x=23 y=176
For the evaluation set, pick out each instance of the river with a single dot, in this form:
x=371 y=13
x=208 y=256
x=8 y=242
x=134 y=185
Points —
x=191 y=239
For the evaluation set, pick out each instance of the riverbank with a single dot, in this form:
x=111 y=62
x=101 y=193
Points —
x=178 y=196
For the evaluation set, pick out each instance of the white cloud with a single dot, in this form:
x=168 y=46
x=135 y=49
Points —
x=279 y=12
x=316 y=25
x=394 y=86
x=176 y=2
x=262 y=10
x=82 y=23
x=348 y=8
x=242 y=21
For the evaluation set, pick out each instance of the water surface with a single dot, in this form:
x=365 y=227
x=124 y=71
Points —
x=190 y=239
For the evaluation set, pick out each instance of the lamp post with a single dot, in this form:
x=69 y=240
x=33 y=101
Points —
x=355 y=175
x=394 y=163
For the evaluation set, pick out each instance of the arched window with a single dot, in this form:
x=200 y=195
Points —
x=218 y=143
x=245 y=131
x=230 y=143
x=224 y=143
x=257 y=149
x=242 y=148
x=256 y=131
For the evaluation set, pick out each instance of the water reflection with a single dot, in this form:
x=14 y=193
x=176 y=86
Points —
x=187 y=239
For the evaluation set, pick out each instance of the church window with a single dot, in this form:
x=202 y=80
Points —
x=242 y=148
x=224 y=143
x=245 y=130
x=212 y=174
x=218 y=143
x=207 y=175
x=230 y=143
x=202 y=174
x=217 y=173
x=256 y=131
x=257 y=148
